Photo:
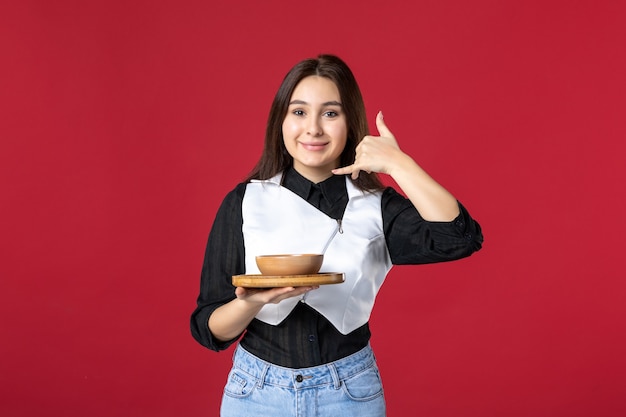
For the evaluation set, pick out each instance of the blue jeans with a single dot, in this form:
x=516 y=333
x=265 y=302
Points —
x=348 y=387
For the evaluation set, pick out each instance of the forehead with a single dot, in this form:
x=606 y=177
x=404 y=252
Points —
x=314 y=89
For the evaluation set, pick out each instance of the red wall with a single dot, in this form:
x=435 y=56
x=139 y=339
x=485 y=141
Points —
x=123 y=124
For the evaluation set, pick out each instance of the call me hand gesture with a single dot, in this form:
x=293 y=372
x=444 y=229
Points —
x=374 y=153
x=381 y=154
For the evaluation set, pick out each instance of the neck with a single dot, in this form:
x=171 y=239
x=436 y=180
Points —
x=315 y=175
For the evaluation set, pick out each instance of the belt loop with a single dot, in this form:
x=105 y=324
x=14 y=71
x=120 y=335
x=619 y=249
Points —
x=333 y=373
x=261 y=380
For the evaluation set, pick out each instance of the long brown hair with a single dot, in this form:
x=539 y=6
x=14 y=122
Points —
x=275 y=157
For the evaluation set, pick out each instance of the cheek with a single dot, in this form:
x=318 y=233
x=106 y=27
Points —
x=290 y=128
x=341 y=135
x=289 y=134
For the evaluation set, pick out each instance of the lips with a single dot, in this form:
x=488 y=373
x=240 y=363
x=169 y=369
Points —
x=313 y=146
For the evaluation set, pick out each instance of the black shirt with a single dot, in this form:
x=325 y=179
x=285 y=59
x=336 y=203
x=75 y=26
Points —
x=306 y=338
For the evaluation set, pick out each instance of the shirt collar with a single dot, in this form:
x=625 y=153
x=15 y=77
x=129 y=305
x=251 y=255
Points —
x=332 y=188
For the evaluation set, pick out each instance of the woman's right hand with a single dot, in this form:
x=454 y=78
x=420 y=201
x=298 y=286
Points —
x=230 y=320
x=271 y=295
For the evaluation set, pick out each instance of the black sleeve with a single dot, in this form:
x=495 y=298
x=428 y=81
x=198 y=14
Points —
x=413 y=240
x=223 y=258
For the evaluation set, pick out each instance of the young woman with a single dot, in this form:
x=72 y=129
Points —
x=305 y=350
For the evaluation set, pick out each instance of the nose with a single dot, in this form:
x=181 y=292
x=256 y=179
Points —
x=315 y=127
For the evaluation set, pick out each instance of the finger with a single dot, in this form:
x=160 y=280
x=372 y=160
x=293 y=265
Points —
x=240 y=292
x=245 y=293
x=352 y=170
x=383 y=130
x=292 y=292
x=304 y=290
x=344 y=171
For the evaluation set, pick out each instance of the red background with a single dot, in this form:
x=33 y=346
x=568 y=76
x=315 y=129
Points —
x=123 y=124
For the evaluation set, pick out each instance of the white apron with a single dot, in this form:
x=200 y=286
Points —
x=277 y=221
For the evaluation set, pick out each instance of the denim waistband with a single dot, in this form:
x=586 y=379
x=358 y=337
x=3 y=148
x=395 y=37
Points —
x=330 y=373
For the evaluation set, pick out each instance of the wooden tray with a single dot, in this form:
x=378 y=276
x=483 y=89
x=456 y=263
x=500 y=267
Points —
x=271 y=281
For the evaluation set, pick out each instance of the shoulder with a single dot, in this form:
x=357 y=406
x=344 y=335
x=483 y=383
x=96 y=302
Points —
x=233 y=199
x=391 y=193
x=391 y=196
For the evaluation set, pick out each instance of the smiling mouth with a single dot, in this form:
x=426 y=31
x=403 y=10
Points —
x=313 y=146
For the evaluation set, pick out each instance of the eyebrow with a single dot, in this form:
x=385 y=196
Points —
x=328 y=103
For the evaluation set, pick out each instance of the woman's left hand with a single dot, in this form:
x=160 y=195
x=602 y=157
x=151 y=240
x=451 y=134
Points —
x=381 y=154
x=374 y=153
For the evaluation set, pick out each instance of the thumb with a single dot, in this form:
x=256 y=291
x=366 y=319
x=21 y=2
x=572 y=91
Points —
x=383 y=130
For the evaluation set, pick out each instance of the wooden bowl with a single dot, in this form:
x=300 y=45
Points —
x=281 y=265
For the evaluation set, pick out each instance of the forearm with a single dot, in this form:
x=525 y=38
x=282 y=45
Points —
x=432 y=201
x=230 y=320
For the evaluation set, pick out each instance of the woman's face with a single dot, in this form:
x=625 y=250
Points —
x=315 y=129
